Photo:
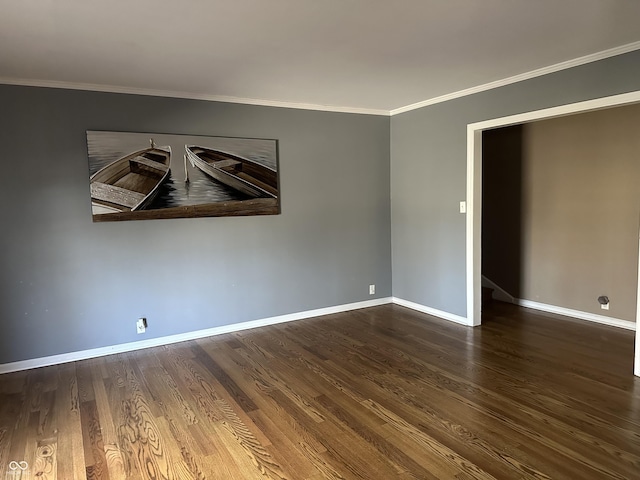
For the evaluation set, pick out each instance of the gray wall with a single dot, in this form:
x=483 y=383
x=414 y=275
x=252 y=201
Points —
x=580 y=211
x=67 y=284
x=428 y=172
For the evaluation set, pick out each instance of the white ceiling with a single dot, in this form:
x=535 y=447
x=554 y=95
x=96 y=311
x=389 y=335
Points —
x=367 y=55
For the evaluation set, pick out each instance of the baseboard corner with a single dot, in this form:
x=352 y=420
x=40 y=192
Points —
x=183 y=337
x=432 y=311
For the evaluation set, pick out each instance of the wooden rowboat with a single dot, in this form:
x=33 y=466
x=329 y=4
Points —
x=247 y=176
x=131 y=182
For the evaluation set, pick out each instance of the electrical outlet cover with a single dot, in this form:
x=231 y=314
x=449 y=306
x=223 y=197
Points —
x=141 y=325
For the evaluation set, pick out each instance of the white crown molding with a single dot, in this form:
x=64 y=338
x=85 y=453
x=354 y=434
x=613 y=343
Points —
x=594 y=57
x=431 y=311
x=160 y=341
x=91 y=87
x=567 y=312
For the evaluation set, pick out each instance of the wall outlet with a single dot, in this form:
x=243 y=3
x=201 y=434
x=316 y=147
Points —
x=372 y=289
x=141 y=325
x=604 y=306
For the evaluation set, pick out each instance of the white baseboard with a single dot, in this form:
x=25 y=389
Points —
x=567 y=312
x=431 y=311
x=592 y=317
x=156 y=342
x=499 y=293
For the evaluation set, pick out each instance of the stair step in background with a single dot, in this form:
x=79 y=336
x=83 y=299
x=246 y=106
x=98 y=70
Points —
x=487 y=296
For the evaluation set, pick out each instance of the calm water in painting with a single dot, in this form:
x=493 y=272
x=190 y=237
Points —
x=106 y=147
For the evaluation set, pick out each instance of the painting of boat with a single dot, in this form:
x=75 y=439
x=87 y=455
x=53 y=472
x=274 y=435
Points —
x=245 y=175
x=130 y=183
x=227 y=176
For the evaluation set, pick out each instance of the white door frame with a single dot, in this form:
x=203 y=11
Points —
x=474 y=194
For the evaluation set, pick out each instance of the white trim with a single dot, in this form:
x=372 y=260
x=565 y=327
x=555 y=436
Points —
x=594 y=57
x=567 y=312
x=92 y=87
x=500 y=293
x=431 y=311
x=560 y=111
x=474 y=228
x=156 y=342
x=474 y=189
x=636 y=369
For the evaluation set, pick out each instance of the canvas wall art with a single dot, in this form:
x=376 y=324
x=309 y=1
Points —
x=137 y=176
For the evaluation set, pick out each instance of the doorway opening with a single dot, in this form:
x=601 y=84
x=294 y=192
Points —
x=474 y=195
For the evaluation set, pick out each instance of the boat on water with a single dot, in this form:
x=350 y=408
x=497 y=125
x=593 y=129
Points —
x=131 y=182
x=242 y=174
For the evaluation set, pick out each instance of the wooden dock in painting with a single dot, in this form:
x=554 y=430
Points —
x=236 y=208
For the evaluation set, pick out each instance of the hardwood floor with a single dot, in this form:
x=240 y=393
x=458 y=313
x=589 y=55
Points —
x=379 y=393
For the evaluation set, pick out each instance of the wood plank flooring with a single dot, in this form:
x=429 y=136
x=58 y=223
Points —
x=379 y=393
